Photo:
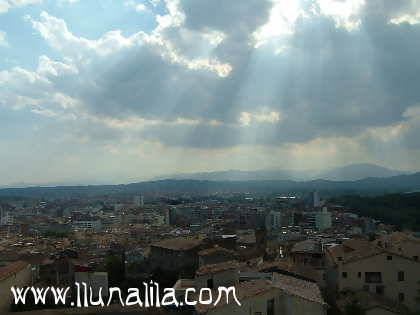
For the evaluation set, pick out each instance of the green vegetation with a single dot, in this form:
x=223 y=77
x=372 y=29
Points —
x=401 y=210
x=354 y=309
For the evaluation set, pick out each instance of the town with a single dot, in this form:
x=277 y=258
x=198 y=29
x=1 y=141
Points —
x=283 y=254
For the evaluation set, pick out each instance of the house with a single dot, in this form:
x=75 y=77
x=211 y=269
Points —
x=403 y=243
x=216 y=275
x=361 y=265
x=214 y=255
x=174 y=254
x=308 y=252
x=287 y=296
x=267 y=293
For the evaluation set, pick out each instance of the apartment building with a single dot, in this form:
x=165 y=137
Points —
x=361 y=265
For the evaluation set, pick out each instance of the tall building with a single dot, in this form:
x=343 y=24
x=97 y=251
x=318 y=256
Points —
x=170 y=216
x=316 y=199
x=138 y=200
x=323 y=219
x=273 y=220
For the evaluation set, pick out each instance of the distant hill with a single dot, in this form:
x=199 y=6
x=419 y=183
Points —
x=238 y=175
x=395 y=184
x=358 y=171
x=402 y=210
x=346 y=173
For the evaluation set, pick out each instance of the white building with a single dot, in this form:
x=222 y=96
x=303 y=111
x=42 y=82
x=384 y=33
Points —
x=6 y=217
x=87 y=224
x=316 y=199
x=323 y=219
x=138 y=200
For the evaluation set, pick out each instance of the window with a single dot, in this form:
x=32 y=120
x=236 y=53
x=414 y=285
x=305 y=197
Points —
x=359 y=275
x=373 y=277
x=389 y=257
x=344 y=275
x=401 y=297
x=380 y=289
x=210 y=283
x=401 y=276
x=270 y=307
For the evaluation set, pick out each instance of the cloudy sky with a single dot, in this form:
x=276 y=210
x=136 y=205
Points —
x=116 y=91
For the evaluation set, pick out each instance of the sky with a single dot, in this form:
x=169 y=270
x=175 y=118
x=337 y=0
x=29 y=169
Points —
x=107 y=91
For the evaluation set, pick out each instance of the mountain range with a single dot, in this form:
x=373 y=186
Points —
x=346 y=173
x=373 y=185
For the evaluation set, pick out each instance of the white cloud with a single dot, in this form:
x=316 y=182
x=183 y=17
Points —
x=281 y=23
x=138 y=7
x=346 y=13
x=246 y=118
x=6 y=5
x=3 y=41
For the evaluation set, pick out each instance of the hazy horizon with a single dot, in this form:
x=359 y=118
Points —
x=105 y=91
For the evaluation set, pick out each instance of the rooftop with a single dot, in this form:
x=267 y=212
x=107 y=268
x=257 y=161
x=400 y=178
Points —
x=10 y=269
x=179 y=243
x=304 y=289
x=243 y=290
x=307 y=246
x=207 y=269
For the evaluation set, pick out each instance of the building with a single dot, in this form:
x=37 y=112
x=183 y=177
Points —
x=265 y=293
x=316 y=200
x=138 y=200
x=214 y=255
x=323 y=219
x=97 y=281
x=170 y=215
x=87 y=223
x=273 y=220
x=16 y=274
x=286 y=296
x=404 y=243
x=361 y=265
x=309 y=252
x=177 y=253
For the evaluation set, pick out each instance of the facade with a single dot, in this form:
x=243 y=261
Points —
x=316 y=199
x=176 y=253
x=138 y=200
x=323 y=219
x=273 y=220
x=16 y=274
x=87 y=223
x=361 y=265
